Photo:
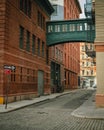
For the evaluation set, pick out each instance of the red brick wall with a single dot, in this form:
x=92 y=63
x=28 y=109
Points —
x=12 y=19
x=71 y=50
x=2 y=40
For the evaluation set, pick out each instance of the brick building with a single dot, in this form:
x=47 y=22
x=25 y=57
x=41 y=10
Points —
x=23 y=45
x=70 y=52
x=87 y=65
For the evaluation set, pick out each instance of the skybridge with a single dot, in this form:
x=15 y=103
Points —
x=80 y=30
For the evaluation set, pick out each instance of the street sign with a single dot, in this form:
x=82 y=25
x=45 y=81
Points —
x=10 y=67
x=7 y=71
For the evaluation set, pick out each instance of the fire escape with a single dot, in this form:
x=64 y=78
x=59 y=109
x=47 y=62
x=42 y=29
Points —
x=89 y=9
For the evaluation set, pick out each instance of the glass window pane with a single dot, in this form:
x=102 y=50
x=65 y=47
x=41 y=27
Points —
x=57 y=28
x=55 y=10
x=28 y=41
x=64 y=28
x=21 y=40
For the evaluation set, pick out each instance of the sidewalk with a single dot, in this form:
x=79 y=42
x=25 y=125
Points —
x=20 y=104
x=86 y=110
x=89 y=110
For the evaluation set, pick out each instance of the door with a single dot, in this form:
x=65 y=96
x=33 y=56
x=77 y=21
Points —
x=40 y=82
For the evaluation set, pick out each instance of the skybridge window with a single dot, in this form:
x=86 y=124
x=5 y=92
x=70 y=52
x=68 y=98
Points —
x=79 y=27
x=57 y=28
x=72 y=27
x=88 y=27
x=50 y=28
x=64 y=28
x=85 y=26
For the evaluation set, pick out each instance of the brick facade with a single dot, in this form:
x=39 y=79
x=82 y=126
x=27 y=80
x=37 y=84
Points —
x=23 y=82
x=71 y=50
x=70 y=64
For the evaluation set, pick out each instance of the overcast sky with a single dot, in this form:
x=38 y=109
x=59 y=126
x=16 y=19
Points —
x=82 y=2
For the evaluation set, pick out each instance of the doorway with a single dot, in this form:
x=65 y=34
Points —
x=40 y=83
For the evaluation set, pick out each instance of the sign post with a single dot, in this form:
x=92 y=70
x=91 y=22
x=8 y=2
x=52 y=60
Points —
x=7 y=71
x=7 y=89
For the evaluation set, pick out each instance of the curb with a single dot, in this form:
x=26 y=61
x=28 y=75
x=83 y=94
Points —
x=86 y=117
x=20 y=107
x=29 y=104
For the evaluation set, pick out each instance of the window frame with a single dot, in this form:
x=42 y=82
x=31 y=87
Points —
x=21 y=37
x=25 y=6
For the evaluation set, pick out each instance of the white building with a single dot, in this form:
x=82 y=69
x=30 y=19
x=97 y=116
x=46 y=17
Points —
x=58 y=6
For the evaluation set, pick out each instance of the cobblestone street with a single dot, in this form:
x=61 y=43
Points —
x=52 y=114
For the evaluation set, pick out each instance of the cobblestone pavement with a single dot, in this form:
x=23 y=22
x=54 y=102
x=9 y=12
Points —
x=54 y=114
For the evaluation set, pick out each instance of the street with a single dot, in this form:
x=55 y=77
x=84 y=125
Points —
x=52 y=114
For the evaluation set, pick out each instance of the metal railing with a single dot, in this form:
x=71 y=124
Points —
x=90 y=50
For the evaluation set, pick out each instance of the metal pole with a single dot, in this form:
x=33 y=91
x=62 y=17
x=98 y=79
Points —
x=7 y=90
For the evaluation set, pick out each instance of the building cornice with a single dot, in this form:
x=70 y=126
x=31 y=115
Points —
x=78 y=4
x=46 y=6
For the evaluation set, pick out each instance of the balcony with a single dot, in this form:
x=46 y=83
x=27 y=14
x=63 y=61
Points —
x=94 y=61
x=89 y=9
x=90 y=50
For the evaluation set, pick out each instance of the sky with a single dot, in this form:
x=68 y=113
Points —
x=82 y=2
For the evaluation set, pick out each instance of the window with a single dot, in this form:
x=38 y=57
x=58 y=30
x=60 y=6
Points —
x=42 y=49
x=91 y=72
x=91 y=47
x=83 y=64
x=82 y=56
x=72 y=27
x=28 y=75
x=83 y=48
x=64 y=28
x=50 y=28
x=44 y=23
x=83 y=72
x=25 y=6
x=79 y=27
x=88 y=27
x=21 y=69
x=87 y=72
x=87 y=63
x=38 y=47
x=56 y=53
x=47 y=56
x=33 y=75
x=41 y=20
x=55 y=10
x=86 y=56
x=61 y=56
x=21 y=39
x=33 y=43
x=57 y=28
x=85 y=26
x=28 y=41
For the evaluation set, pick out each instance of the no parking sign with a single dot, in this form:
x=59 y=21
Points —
x=7 y=71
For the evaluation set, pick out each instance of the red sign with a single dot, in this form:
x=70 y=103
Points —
x=7 y=71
